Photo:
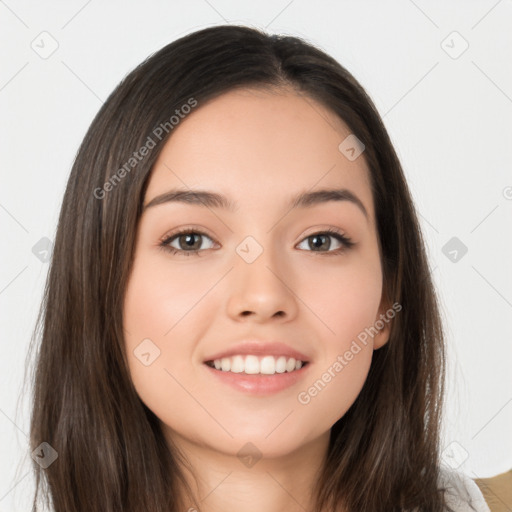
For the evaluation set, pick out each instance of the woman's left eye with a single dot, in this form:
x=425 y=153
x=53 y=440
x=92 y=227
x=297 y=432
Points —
x=321 y=239
x=190 y=242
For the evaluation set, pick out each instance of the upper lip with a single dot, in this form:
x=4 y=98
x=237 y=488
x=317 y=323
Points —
x=256 y=347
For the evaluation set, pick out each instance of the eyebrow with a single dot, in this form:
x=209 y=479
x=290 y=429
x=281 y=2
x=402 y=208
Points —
x=214 y=200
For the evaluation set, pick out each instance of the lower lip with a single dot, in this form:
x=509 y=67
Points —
x=259 y=384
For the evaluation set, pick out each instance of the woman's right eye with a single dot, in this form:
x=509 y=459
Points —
x=189 y=242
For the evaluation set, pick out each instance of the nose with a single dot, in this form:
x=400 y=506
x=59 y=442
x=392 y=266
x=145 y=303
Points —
x=262 y=290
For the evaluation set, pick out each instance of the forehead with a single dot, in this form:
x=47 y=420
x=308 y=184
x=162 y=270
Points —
x=254 y=144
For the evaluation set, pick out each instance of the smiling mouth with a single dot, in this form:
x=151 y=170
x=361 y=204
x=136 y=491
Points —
x=255 y=365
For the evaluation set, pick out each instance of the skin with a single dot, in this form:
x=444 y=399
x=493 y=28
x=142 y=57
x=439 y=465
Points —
x=259 y=148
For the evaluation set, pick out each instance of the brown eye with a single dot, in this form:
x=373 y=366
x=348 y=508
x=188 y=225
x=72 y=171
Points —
x=317 y=241
x=190 y=241
x=321 y=242
x=185 y=242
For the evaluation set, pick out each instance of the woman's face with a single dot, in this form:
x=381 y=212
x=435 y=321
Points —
x=260 y=275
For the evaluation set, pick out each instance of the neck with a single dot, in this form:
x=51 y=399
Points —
x=249 y=480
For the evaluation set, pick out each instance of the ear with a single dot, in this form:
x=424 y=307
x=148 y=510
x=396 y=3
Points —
x=383 y=322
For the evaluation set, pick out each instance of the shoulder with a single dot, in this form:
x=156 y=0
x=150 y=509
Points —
x=461 y=492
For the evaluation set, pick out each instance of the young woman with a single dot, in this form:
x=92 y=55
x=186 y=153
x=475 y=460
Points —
x=239 y=313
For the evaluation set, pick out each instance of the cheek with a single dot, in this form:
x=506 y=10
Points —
x=348 y=310
x=347 y=303
x=165 y=312
x=335 y=384
x=157 y=300
x=156 y=348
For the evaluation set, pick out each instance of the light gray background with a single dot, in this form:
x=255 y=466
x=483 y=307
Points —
x=448 y=112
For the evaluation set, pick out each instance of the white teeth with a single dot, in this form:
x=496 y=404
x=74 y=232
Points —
x=290 y=365
x=268 y=365
x=237 y=364
x=281 y=364
x=252 y=365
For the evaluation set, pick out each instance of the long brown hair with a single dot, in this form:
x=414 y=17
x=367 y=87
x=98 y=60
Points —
x=112 y=456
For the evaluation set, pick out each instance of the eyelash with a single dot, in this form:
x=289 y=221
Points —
x=343 y=239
